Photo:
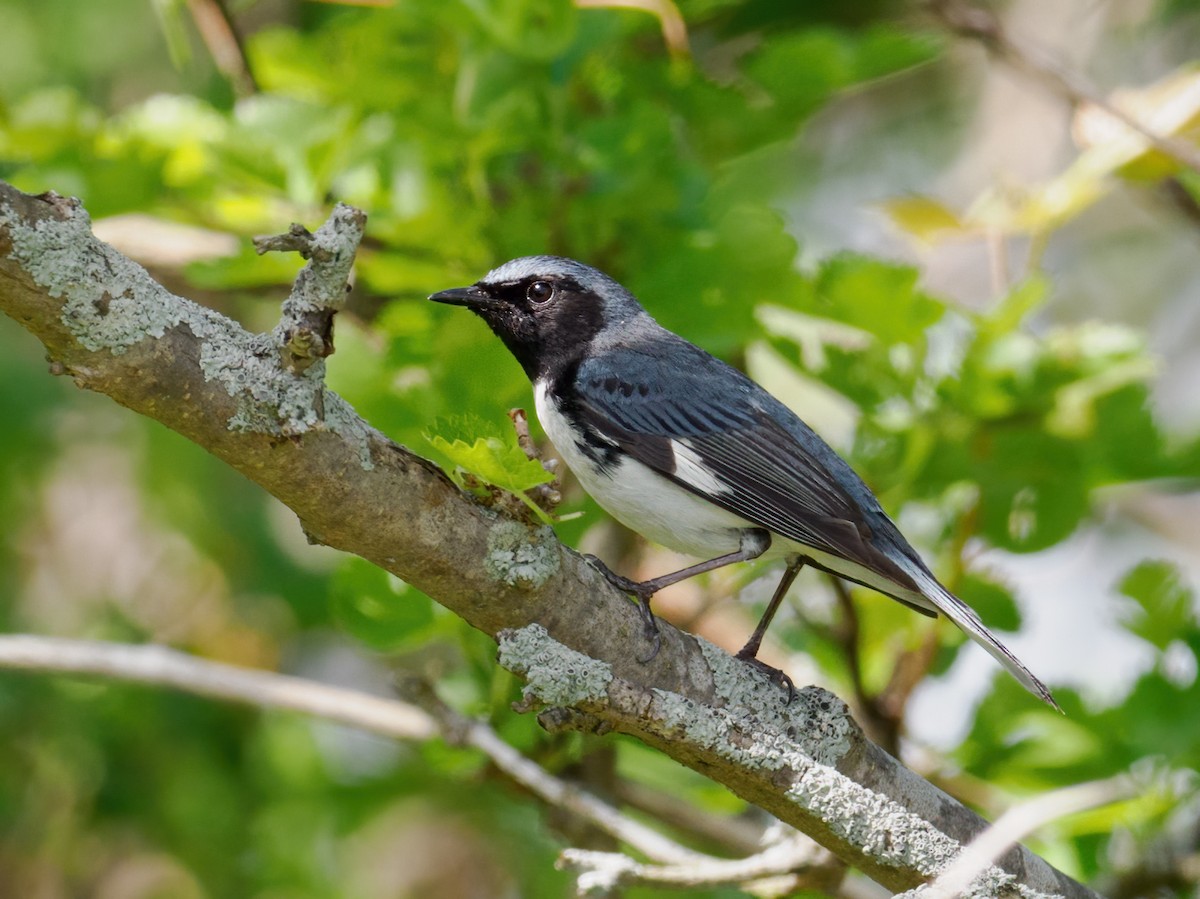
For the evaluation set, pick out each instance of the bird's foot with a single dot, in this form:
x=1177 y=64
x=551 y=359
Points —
x=649 y=627
x=775 y=675
x=624 y=584
x=641 y=591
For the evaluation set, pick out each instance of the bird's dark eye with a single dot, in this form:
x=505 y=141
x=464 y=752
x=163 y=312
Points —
x=540 y=291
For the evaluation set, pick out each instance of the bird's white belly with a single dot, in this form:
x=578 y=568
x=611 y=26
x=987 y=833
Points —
x=643 y=500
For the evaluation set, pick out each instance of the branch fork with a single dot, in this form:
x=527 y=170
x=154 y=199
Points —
x=305 y=330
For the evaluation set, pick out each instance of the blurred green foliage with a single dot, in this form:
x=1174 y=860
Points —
x=473 y=132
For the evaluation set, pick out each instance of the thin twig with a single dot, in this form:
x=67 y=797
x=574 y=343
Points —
x=910 y=670
x=883 y=727
x=305 y=330
x=674 y=29
x=1016 y=824
x=549 y=495
x=217 y=30
x=810 y=867
x=847 y=635
x=165 y=667
x=984 y=26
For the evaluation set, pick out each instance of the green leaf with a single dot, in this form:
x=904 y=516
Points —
x=1074 y=412
x=1033 y=488
x=1127 y=444
x=1165 y=603
x=992 y=600
x=493 y=457
x=884 y=50
x=876 y=296
x=1060 y=742
x=923 y=218
x=377 y=608
x=1014 y=307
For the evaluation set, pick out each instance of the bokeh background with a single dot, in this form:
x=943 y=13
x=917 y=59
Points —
x=981 y=288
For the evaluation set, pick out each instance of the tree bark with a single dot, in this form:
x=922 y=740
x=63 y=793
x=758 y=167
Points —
x=244 y=398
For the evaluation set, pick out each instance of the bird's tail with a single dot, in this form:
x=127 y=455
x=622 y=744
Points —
x=969 y=622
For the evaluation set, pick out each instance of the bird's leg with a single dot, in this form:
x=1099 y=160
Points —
x=749 y=652
x=754 y=543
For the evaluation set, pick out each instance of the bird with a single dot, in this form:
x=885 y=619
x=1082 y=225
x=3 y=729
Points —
x=688 y=451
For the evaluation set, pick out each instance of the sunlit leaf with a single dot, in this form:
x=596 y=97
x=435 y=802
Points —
x=495 y=458
x=876 y=296
x=1170 y=108
x=923 y=218
x=1165 y=607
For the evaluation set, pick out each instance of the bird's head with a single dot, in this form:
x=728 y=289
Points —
x=547 y=309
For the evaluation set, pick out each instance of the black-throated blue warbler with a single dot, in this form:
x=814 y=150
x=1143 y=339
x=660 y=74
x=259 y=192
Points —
x=688 y=451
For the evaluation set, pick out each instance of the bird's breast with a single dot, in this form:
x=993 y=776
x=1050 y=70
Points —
x=635 y=494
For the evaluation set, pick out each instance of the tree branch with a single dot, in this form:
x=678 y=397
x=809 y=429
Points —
x=105 y=322
x=807 y=763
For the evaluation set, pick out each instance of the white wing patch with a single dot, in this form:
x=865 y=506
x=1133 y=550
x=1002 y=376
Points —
x=692 y=471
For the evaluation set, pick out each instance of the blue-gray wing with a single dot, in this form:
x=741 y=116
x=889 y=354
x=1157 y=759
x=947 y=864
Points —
x=708 y=428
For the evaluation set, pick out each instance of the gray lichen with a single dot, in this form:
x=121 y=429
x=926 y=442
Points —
x=332 y=248
x=109 y=302
x=554 y=674
x=520 y=559
x=984 y=887
x=766 y=736
x=883 y=828
x=818 y=720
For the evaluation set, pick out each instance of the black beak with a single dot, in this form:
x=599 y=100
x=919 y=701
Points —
x=471 y=297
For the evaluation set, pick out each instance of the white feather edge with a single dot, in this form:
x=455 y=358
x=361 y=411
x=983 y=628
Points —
x=690 y=469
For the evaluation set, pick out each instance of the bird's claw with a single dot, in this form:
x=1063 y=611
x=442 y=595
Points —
x=774 y=675
x=624 y=584
x=640 y=592
x=649 y=628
